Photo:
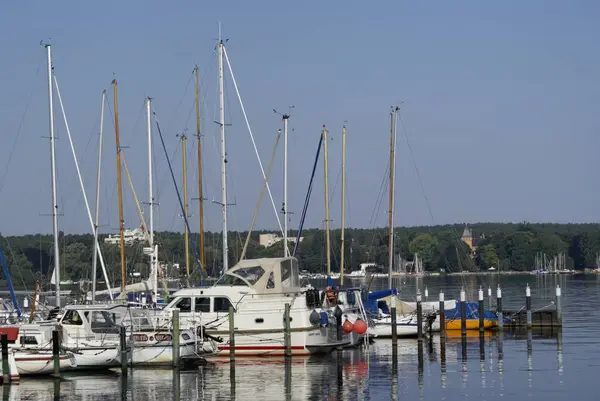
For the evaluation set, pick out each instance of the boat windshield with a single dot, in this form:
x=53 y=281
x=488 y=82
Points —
x=242 y=276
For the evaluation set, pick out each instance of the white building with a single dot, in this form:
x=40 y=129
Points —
x=267 y=240
x=131 y=236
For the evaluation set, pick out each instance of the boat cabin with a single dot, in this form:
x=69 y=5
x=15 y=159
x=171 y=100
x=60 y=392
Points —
x=266 y=276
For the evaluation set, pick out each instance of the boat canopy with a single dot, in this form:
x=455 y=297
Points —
x=266 y=275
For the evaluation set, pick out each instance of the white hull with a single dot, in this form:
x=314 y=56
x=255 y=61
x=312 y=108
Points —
x=406 y=326
x=159 y=354
x=316 y=340
x=96 y=357
x=30 y=362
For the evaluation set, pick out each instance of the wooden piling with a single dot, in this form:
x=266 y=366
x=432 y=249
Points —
x=481 y=312
x=442 y=308
x=419 y=317
x=489 y=298
x=499 y=308
x=175 y=338
x=231 y=335
x=463 y=313
x=287 y=340
x=5 y=368
x=394 y=321
x=559 y=304
x=528 y=306
x=123 y=347
x=56 y=352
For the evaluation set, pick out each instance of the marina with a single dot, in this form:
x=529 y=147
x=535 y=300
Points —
x=494 y=364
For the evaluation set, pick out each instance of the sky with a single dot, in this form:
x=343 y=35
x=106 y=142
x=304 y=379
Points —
x=499 y=108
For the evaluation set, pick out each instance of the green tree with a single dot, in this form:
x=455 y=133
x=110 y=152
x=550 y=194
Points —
x=426 y=246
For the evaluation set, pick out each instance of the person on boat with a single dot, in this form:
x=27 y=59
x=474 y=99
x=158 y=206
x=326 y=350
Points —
x=331 y=295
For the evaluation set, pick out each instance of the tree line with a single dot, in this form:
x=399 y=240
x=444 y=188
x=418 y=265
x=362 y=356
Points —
x=504 y=246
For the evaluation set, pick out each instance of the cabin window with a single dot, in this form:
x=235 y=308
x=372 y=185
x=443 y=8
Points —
x=250 y=274
x=202 y=304
x=259 y=320
x=271 y=281
x=101 y=322
x=72 y=317
x=222 y=304
x=230 y=279
x=289 y=273
x=184 y=305
x=185 y=336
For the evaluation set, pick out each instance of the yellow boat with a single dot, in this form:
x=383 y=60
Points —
x=472 y=324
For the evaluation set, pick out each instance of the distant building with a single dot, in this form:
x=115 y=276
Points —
x=268 y=240
x=467 y=238
x=131 y=236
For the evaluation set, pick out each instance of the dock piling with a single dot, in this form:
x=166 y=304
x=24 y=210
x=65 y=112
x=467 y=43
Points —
x=56 y=352
x=123 y=347
x=463 y=312
x=231 y=335
x=442 y=316
x=559 y=304
x=286 y=331
x=481 y=311
x=499 y=308
x=5 y=368
x=394 y=322
x=175 y=338
x=426 y=294
x=419 y=317
x=528 y=306
x=489 y=297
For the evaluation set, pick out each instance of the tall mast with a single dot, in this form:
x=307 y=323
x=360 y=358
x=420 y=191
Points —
x=185 y=203
x=223 y=157
x=119 y=188
x=285 y=118
x=327 y=238
x=391 y=195
x=154 y=253
x=53 y=173
x=200 y=191
x=343 y=204
x=95 y=250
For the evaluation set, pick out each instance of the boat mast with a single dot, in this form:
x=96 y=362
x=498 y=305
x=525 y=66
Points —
x=119 y=188
x=343 y=205
x=391 y=195
x=95 y=250
x=185 y=202
x=154 y=252
x=285 y=118
x=200 y=191
x=327 y=238
x=56 y=274
x=223 y=156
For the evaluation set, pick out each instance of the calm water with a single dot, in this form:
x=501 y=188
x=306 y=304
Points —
x=545 y=367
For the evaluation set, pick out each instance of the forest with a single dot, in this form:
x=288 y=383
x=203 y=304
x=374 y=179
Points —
x=503 y=246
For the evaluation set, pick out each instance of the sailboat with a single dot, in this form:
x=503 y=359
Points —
x=257 y=292
x=406 y=323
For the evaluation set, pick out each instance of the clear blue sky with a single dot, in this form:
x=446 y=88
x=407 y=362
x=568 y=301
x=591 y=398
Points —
x=500 y=100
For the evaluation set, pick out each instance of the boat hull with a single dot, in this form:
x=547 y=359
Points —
x=31 y=363
x=472 y=324
x=97 y=357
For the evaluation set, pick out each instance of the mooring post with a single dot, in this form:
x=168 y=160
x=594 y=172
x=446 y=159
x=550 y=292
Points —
x=419 y=317
x=528 y=306
x=559 y=305
x=231 y=335
x=287 y=341
x=481 y=312
x=499 y=308
x=5 y=368
x=463 y=312
x=426 y=294
x=394 y=321
x=442 y=316
x=123 y=346
x=56 y=352
x=176 y=338
x=489 y=298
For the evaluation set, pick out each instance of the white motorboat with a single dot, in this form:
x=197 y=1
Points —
x=258 y=290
